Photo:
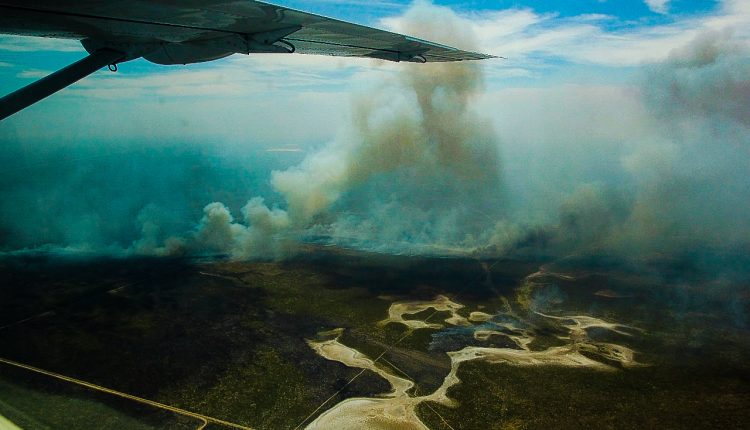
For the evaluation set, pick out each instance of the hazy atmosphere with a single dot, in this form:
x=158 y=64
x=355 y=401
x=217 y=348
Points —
x=598 y=134
x=554 y=238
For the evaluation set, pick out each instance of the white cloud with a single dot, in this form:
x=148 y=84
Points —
x=236 y=77
x=658 y=6
x=34 y=44
x=33 y=74
x=532 y=40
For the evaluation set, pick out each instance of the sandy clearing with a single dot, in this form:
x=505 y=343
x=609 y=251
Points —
x=397 y=411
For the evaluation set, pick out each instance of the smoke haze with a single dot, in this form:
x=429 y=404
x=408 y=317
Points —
x=430 y=164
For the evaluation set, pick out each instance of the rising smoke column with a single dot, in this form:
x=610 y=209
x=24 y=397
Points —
x=693 y=189
x=417 y=167
x=417 y=161
x=418 y=170
x=684 y=186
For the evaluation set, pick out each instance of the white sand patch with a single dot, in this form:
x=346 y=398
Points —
x=375 y=414
x=397 y=411
x=397 y=311
x=580 y=323
x=479 y=317
x=336 y=351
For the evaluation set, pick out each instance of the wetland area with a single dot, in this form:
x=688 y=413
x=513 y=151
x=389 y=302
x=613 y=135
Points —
x=337 y=339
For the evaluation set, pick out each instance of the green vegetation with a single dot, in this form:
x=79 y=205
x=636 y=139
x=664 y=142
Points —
x=228 y=340
x=676 y=397
x=34 y=402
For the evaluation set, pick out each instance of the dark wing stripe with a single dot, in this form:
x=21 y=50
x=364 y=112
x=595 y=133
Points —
x=342 y=45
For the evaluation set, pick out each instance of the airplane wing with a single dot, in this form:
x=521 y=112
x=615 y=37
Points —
x=192 y=31
x=217 y=25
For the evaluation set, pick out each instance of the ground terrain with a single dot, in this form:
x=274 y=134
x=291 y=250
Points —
x=278 y=345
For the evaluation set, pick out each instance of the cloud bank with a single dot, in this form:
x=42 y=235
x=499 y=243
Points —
x=658 y=6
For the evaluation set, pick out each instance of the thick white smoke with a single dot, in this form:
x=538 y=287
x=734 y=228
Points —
x=418 y=127
x=683 y=183
x=418 y=167
x=261 y=234
x=657 y=167
x=418 y=170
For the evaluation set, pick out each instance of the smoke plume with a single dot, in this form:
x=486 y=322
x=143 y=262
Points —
x=431 y=163
x=417 y=167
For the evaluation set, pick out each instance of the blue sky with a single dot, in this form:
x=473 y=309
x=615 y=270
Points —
x=547 y=44
x=626 y=10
